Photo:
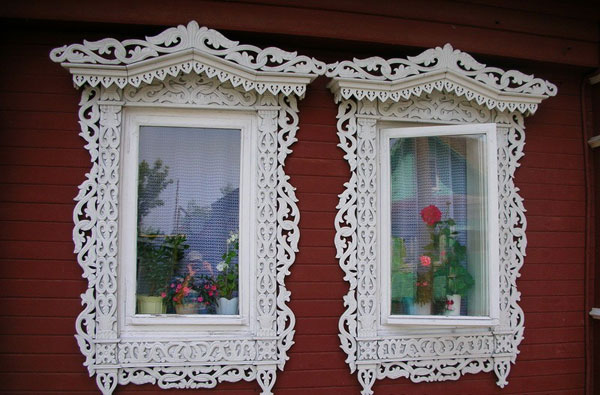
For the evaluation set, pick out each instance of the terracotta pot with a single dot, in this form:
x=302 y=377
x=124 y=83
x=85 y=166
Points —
x=227 y=306
x=150 y=305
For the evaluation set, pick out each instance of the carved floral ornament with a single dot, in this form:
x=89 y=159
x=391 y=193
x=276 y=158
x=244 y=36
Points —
x=439 y=86
x=194 y=67
x=186 y=68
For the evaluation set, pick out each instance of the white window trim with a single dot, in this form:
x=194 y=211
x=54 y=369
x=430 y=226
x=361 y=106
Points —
x=191 y=70
x=133 y=119
x=439 y=86
x=389 y=322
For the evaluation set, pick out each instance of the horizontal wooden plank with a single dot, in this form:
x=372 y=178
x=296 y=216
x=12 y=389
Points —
x=42 y=231
x=480 y=15
x=33 y=326
x=556 y=239
x=15 y=120
x=319 y=150
x=551 y=287
x=314 y=220
x=315 y=360
x=529 y=352
x=317 y=133
x=551 y=303
x=31 y=193
x=565 y=224
x=553 y=335
x=41 y=138
x=316 y=201
x=27 y=344
x=22 y=288
x=316 y=238
x=41 y=269
x=553 y=145
x=50 y=250
x=43 y=175
x=316 y=308
x=554 y=255
x=45 y=157
x=23 y=101
x=548 y=129
x=315 y=290
x=558 y=208
x=551 y=161
x=316 y=325
x=316 y=343
x=552 y=192
x=17 y=211
x=529 y=175
x=40 y=307
x=316 y=167
x=42 y=363
x=47 y=382
x=322 y=185
x=318 y=23
x=316 y=255
x=316 y=274
x=555 y=319
x=552 y=272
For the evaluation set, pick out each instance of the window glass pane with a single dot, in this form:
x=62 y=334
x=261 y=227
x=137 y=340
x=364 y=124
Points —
x=188 y=220
x=438 y=226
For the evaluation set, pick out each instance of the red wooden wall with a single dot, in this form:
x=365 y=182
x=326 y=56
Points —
x=42 y=162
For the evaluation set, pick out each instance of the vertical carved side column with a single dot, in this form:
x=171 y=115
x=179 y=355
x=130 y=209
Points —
x=107 y=226
x=266 y=218
x=367 y=229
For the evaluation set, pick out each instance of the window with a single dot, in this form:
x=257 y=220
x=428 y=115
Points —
x=439 y=218
x=189 y=174
x=430 y=214
x=186 y=202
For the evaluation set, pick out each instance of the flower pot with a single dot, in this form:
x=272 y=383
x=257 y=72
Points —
x=187 y=308
x=150 y=305
x=189 y=304
x=227 y=306
x=422 y=309
x=452 y=305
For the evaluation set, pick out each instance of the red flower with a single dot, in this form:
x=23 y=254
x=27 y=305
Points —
x=425 y=260
x=431 y=214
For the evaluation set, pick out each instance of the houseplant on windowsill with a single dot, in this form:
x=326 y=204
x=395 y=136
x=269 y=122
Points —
x=157 y=261
x=450 y=255
x=228 y=278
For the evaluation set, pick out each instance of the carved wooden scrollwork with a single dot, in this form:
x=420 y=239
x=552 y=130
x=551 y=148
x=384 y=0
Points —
x=441 y=85
x=186 y=67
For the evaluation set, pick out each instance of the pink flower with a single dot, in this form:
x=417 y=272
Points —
x=431 y=214
x=186 y=291
x=206 y=286
x=178 y=287
x=443 y=254
x=425 y=260
x=214 y=287
x=200 y=299
x=425 y=283
x=210 y=293
x=163 y=295
x=172 y=285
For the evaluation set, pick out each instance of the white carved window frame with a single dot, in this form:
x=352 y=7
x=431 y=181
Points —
x=441 y=86
x=191 y=70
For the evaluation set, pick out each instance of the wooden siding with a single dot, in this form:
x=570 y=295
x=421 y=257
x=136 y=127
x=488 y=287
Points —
x=42 y=162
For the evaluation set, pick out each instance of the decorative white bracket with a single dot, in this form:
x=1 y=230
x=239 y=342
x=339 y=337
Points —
x=185 y=67
x=440 y=86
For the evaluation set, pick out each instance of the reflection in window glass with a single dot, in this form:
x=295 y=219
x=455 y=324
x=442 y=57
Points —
x=438 y=226
x=188 y=220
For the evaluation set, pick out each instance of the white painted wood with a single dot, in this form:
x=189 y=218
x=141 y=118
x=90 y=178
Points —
x=446 y=87
x=185 y=76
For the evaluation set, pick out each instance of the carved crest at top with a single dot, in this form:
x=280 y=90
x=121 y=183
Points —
x=442 y=69
x=186 y=49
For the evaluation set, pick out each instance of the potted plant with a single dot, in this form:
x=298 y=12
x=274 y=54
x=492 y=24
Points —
x=228 y=277
x=182 y=294
x=450 y=256
x=207 y=294
x=402 y=280
x=158 y=257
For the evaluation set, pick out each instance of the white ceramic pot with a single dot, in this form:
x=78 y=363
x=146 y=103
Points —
x=150 y=305
x=422 y=309
x=227 y=306
x=453 y=304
